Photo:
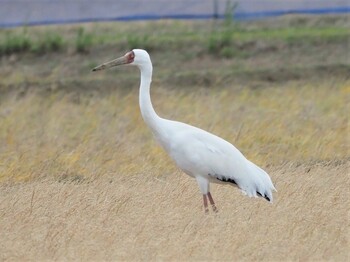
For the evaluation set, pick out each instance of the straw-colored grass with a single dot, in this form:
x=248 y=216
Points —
x=144 y=216
x=61 y=135
x=96 y=187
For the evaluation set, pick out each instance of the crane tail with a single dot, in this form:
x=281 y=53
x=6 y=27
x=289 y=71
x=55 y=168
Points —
x=260 y=184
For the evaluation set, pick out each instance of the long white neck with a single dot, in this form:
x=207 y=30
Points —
x=149 y=115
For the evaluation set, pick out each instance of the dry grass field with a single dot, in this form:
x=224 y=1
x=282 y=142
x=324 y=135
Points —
x=152 y=216
x=82 y=179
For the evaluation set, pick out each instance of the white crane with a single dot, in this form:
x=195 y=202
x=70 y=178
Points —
x=201 y=155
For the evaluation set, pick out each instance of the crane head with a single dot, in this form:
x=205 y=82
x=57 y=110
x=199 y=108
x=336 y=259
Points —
x=136 y=57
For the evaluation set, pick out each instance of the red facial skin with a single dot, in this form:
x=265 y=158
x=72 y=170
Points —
x=130 y=57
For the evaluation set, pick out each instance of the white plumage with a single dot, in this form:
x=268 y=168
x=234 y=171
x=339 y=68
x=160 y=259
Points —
x=200 y=154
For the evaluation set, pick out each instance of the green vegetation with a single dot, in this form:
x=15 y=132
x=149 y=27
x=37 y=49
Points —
x=220 y=41
x=22 y=42
x=83 y=41
x=50 y=42
x=223 y=38
x=135 y=41
x=15 y=43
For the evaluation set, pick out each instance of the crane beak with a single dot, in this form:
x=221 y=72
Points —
x=119 y=61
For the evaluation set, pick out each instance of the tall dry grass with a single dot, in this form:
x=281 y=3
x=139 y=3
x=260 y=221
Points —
x=75 y=135
x=82 y=178
x=145 y=216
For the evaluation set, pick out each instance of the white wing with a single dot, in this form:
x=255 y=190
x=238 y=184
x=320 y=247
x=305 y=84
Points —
x=199 y=153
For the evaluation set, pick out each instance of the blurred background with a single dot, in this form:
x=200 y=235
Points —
x=81 y=177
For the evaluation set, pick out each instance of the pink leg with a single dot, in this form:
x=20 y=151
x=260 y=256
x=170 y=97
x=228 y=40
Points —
x=205 y=202
x=211 y=200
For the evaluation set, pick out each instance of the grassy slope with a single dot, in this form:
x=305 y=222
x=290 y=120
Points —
x=74 y=144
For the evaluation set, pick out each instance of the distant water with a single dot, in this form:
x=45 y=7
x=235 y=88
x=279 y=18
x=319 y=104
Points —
x=33 y=12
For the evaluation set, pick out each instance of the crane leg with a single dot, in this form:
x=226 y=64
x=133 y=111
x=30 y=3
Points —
x=211 y=200
x=205 y=202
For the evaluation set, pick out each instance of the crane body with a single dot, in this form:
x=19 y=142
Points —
x=198 y=153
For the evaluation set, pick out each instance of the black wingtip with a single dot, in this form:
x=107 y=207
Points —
x=225 y=179
x=265 y=196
